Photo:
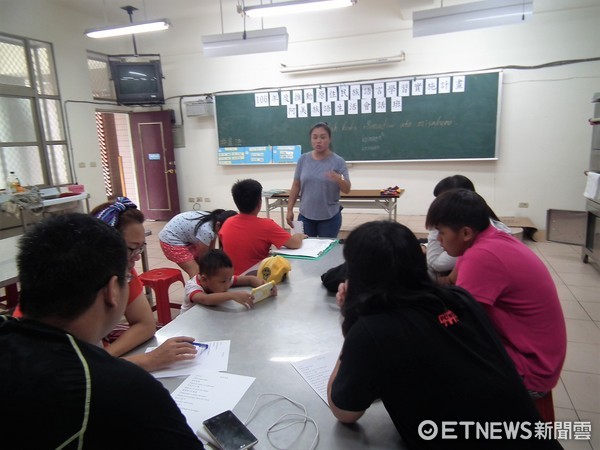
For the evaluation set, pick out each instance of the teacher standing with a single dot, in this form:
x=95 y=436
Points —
x=320 y=176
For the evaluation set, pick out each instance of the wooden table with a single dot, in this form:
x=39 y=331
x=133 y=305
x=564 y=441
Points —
x=357 y=198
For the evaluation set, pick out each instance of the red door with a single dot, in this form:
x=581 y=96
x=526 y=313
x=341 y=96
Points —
x=154 y=156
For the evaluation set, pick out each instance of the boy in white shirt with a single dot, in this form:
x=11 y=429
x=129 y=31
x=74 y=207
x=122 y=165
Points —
x=211 y=285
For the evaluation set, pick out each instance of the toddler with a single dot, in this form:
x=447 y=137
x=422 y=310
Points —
x=211 y=285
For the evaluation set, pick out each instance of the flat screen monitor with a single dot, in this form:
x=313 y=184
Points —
x=138 y=83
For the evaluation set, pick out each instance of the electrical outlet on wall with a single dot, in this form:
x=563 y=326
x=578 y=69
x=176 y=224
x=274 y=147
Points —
x=191 y=200
x=207 y=200
x=198 y=199
x=523 y=205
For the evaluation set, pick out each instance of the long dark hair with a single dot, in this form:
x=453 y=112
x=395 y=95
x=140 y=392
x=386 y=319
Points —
x=386 y=271
x=214 y=217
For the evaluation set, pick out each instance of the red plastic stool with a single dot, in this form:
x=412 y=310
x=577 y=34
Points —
x=545 y=406
x=160 y=280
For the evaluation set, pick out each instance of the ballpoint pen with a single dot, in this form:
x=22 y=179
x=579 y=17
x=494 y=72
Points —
x=202 y=347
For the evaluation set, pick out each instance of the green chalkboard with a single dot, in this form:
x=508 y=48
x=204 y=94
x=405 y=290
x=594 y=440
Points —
x=444 y=122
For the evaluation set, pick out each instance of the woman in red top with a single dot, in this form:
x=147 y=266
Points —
x=128 y=219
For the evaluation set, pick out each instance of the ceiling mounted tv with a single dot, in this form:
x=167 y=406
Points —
x=138 y=83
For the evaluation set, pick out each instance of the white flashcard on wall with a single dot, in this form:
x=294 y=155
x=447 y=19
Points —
x=297 y=96
x=286 y=98
x=292 y=112
x=326 y=109
x=430 y=86
x=261 y=99
x=315 y=110
x=444 y=85
x=379 y=90
x=273 y=98
x=380 y=105
x=332 y=94
x=344 y=92
x=367 y=91
x=354 y=92
x=321 y=95
x=458 y=83
x=352 y=107
x=366 y=105
x=309 y=96
x=340 y=108
x=404 y=88
x=391 y=89
x=303 y=110
x=396 y=104
x=417 y=87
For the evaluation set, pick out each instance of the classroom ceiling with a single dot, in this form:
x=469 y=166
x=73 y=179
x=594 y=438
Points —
x=110 y=10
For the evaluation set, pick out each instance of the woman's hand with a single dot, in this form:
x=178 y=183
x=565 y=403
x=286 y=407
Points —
x=289 y=218
x=340 y=296
x=334 y=176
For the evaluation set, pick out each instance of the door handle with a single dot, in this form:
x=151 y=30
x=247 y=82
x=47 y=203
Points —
x=170 y=171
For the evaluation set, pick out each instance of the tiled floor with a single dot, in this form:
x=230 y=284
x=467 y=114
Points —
x=577 y=396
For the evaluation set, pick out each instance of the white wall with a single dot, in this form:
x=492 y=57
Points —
x=544 y=137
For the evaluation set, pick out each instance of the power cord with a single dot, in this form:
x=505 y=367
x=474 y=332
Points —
x=280 y=424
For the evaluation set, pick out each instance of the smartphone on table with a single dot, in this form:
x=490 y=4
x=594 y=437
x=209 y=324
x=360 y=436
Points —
x=263 y=291
x=229 y=432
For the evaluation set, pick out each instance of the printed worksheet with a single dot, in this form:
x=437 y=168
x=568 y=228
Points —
x=215 y=357
x=206 y=394
x=316 y=371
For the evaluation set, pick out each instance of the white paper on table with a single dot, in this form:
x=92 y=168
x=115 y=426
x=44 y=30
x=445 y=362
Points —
x=317 y=370
x=215 y=357
x=208 y=393
x=311 y=247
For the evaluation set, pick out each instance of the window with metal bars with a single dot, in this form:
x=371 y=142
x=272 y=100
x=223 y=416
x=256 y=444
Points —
x=33 y=141
x=102 y=86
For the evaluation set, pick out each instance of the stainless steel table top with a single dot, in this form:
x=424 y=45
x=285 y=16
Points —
x=301 y=322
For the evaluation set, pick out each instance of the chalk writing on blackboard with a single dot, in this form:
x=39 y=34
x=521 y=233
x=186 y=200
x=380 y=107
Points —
x=442 y=117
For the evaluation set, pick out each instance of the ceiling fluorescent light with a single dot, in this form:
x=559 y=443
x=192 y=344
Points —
x=254 y=41
x=343 y=65
x=132 y=28
x=470 y=16
x=293 y=7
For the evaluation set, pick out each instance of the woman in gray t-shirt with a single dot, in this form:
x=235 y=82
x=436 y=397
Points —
x=319 y=178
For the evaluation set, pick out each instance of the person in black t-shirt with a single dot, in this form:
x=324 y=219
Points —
x=61 y=389
x=427 y=351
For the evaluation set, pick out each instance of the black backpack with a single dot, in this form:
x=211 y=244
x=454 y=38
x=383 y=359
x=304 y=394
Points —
x=334 y=276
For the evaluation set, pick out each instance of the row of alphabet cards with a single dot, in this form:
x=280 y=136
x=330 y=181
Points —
x=377 y=90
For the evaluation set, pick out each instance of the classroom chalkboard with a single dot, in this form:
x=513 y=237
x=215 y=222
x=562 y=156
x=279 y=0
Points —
x=445 y=117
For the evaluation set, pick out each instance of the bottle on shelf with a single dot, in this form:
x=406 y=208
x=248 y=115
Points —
x=13 y=185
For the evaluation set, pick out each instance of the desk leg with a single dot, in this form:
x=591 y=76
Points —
x=268 y=207
x=23 y=222
x=145 y=268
